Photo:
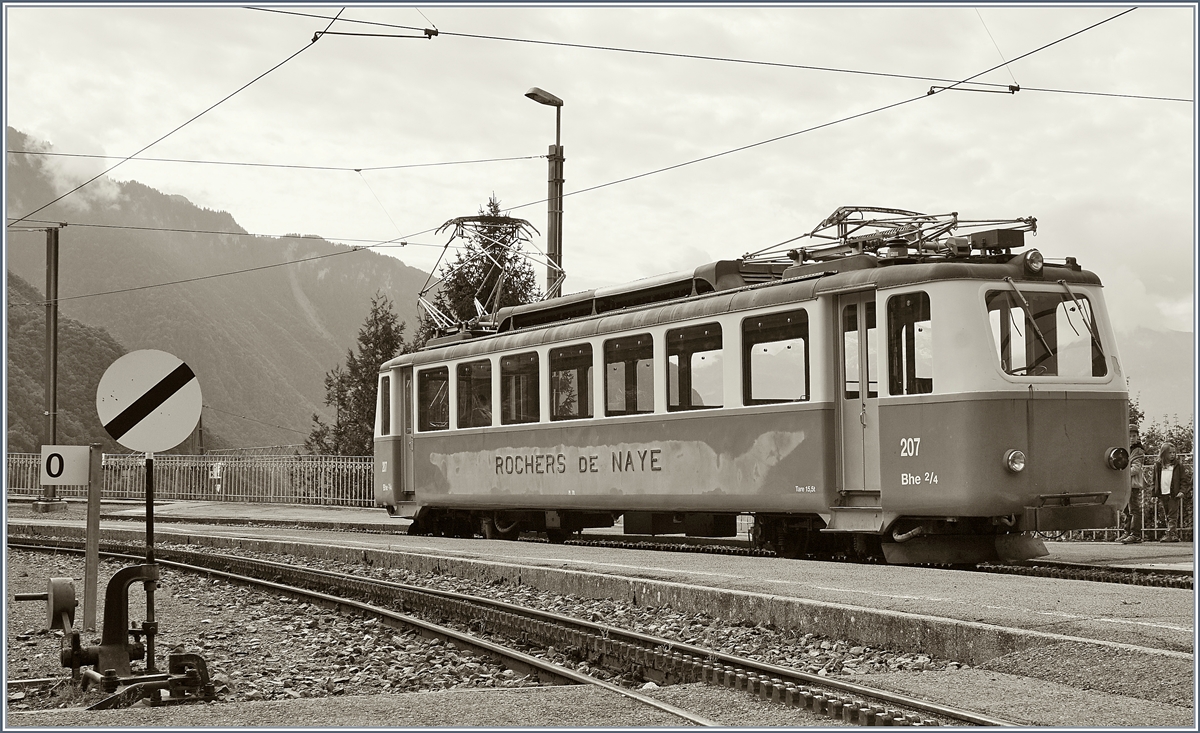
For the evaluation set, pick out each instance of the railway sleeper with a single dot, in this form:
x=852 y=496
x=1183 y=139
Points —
x=639 y=661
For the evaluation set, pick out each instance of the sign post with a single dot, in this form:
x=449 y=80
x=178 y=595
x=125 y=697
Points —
x=91 y=551
x=149 y=401
x=62 y=465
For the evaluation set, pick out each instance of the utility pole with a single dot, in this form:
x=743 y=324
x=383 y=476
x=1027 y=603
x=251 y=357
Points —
x=52 y=336
x=49 y=502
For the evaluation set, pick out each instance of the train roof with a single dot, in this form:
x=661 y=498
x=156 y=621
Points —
x=722 y=287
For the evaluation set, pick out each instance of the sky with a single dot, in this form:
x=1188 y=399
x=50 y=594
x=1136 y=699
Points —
x=1111 y=179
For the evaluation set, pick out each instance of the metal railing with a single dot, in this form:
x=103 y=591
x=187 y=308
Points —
x=1154 y=523
x=345 y=481
x=325 y=480
x=1154 y=513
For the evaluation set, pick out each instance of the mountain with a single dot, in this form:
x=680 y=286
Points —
x=1162 y=373
x=260 y=342
x=84 y=354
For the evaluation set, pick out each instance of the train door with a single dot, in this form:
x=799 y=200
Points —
x=859 y=394
x=407 y=488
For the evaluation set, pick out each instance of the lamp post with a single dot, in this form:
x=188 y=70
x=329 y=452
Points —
x=554 y=215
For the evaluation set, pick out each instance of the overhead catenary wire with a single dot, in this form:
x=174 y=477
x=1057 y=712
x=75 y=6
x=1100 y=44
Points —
x=426 y=17
x=380 y=202
x=251 y=419
x=931 y=92
x=721 y=59
x=397 y=242
x=219 y=274
x=1007 y=66
x=181 y=126
x=344 y=168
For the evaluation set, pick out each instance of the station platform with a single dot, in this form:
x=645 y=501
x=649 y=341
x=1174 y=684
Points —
x=1056 y=630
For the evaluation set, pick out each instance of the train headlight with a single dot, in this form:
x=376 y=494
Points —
x=1117 y=458
x=1014 y=461
x=1034 y=262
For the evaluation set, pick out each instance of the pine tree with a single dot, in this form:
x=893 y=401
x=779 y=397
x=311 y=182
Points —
x=489 y=269
x=351 y=389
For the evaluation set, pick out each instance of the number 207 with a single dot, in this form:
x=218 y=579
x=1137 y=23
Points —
x=910 y=447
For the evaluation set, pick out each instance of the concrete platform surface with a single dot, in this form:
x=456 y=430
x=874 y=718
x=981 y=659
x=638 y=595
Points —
x=1174 y=556
x=1147 y=617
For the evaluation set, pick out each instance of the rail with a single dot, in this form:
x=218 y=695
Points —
x=321 y=480
x=664 y=660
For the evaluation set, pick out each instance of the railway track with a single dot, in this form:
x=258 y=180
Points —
x=1164 y=578
x=481 y=622
x=1157 y=577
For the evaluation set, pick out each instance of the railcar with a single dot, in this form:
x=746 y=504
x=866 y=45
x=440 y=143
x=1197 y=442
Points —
x=894 y=391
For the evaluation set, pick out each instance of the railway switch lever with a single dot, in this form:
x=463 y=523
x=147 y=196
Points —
x=187 y=679
x=60 y=603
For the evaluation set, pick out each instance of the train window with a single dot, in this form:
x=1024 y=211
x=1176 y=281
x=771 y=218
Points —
x=775 y=358
x=519 y=389
x=475 y=394
x=629 y=375
x=851 y=353
x=910 y=344
x=1052 y=337
x=433 y=403
x=385 y=405
x=850 y=350
x=872 y=352
x=695 y=376
x=571 y=382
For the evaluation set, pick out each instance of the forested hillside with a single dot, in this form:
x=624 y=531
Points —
x=260 y=342
x=84 y=353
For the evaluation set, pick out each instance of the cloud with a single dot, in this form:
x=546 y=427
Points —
x=66 y=173
x=1111 y=180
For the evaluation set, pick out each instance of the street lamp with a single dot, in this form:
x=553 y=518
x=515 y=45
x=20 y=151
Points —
x=555 y=206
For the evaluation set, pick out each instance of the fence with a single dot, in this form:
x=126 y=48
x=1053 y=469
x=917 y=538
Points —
x=325 y=480
x=341 y=481
x=1154 y=515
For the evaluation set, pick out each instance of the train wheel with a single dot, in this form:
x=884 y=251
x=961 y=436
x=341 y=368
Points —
x=464 y=528
x=868 y=548
x=792 y=543
x=557 y=536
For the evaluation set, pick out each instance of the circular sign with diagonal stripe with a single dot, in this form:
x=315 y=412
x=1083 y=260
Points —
x=149 y=401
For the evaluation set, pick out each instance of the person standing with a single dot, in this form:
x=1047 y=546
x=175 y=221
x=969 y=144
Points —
x=1169 y=485
x=1134 y=512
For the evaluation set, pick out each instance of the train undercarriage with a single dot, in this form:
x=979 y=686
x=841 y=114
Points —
x=908 y=541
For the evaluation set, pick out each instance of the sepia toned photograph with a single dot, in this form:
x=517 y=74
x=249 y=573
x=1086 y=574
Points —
x=595 y=366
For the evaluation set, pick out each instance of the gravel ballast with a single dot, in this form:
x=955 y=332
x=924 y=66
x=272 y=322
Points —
x=267 y=651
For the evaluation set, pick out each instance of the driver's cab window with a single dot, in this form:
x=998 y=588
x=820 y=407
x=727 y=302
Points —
x=1045 y=334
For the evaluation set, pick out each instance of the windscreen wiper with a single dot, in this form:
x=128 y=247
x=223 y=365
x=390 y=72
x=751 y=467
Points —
x=1029 y=316
x=1082 y=314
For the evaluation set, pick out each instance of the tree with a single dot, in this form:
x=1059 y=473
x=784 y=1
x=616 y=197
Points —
x=1169 y=432
x=351 y=389
x=490 y=269
x=1136 y=415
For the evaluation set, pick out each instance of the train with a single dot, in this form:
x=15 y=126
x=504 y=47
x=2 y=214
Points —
x=904 y=388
